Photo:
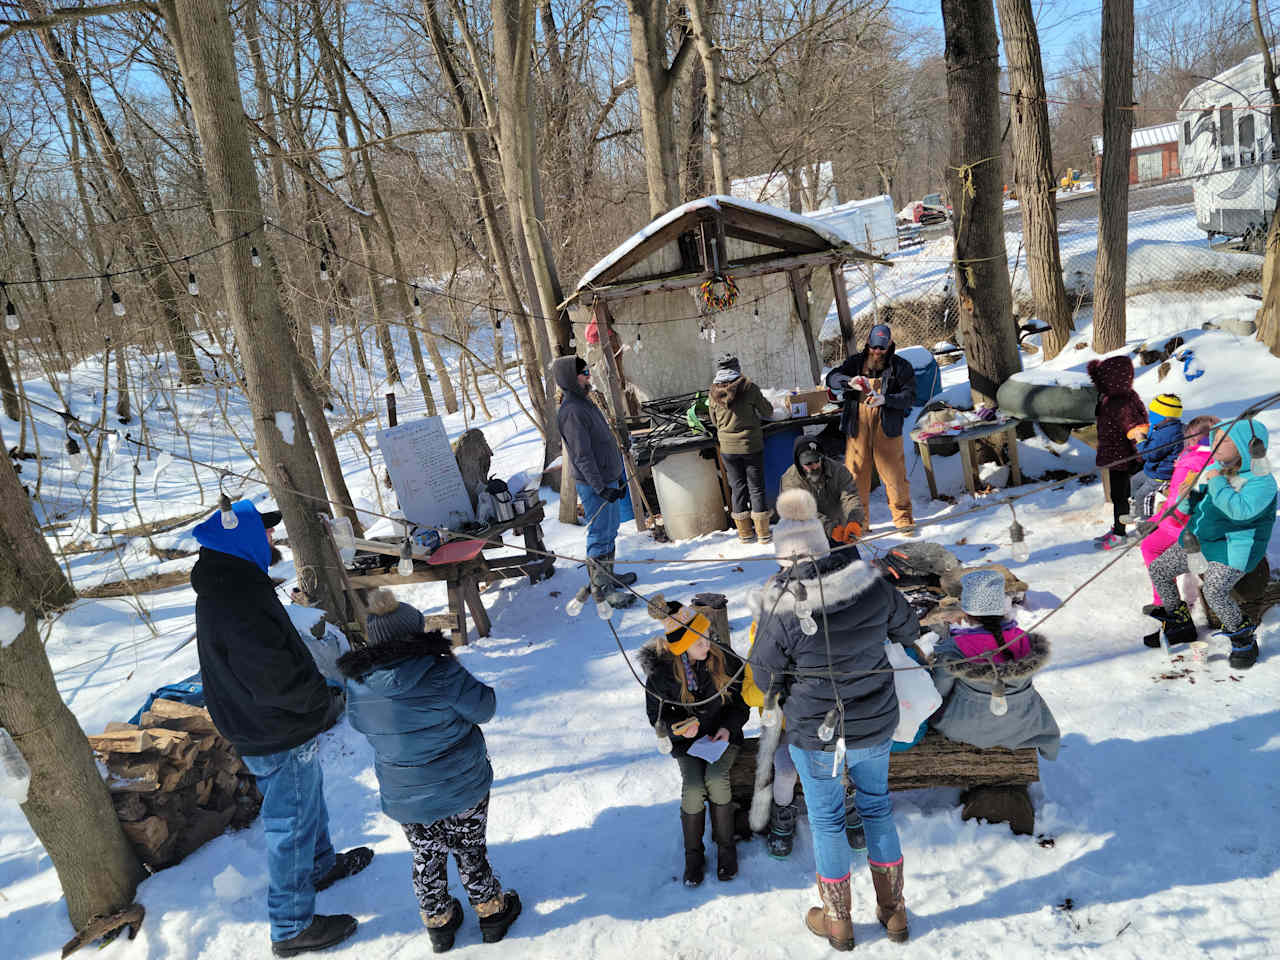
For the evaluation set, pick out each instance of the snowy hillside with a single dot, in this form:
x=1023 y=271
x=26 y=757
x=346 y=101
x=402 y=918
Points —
x=1154 y=825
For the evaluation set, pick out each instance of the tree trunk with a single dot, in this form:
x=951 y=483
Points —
x=1111 y=272
x=1268 y=316
x=200 y=32
x=1033 y=159
x=693 y=182
x=8 y=392
x=654 y=86
x=710 y=53
x=68 y=805
x=974 y=187
x=152 y=252
x=322 y=437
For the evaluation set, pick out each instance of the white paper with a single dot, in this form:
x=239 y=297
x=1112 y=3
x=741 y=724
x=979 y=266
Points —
x=707 y=749
x=425 y=474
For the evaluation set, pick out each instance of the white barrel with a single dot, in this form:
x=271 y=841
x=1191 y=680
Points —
x=689 y=495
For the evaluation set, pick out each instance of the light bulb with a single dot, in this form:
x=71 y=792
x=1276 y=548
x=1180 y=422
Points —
x=999 y=705
x=11 y=321
x=417 y=305
x=75 y=455
x=113 y=442
x=808 y=626
x=604 y=610
x=1018 y=542
x=117 y=307
x=639 y=346
x=828 y=728
x=324 y=269
x=713 y=334
x=664 y=737
x=577 y=601
x=193 y=288
x=405 y=566
x=254 y=257
x=229 y=519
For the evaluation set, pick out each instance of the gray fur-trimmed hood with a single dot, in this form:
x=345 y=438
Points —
x=650 y=657
x=834 y=590
x=1011 y=672
x=359 y=662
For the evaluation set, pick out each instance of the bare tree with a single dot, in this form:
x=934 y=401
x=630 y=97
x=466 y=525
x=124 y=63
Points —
x=68 y=805
x=974 y=186
x=1269 y=312
x=1113 y=189
x=1033 y=157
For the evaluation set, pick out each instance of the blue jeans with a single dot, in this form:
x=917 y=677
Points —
x=603 y=518
x=296 y=822
x=824 y=797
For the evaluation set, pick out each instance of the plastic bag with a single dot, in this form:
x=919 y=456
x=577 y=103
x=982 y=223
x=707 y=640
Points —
x=918 y=698
x=15 y=775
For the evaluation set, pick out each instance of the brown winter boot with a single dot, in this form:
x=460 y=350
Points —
x=763 y=533
x=722 y=834
x=746 y=532
x=831 y=920
x=891 y=909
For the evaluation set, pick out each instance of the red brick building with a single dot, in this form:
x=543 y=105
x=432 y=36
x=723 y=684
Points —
x=1153 y=154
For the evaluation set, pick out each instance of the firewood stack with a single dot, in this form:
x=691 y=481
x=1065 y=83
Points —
x=175 y=781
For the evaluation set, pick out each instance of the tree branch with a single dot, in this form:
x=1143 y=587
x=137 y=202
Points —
x=69 y=14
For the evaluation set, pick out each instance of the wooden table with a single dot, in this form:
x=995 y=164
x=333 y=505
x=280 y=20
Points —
x=462 y=566
x=968 y=462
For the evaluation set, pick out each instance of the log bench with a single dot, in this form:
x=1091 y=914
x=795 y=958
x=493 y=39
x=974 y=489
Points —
x=994 y=780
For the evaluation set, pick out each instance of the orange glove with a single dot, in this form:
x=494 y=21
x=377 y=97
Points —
x=846 y=532
x=1138 y=433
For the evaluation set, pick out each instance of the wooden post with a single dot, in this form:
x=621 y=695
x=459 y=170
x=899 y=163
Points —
x=799 y=298
x=391 y=410
x=568 y=489
x=842 y=306
x=604 y=320
x=871 y=278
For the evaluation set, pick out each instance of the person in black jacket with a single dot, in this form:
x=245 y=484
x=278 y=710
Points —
x=694 y=692
x=821 y=628
x=600 y=477
x=267 y=697
x=879 y=389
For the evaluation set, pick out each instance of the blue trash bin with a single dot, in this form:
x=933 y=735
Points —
x=779 y=455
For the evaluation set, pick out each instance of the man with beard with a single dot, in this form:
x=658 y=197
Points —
x=879 y=389
x=833 y=490
x=267 y=697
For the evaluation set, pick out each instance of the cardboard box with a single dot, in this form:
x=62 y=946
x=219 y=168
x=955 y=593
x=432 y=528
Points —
x=806 y=403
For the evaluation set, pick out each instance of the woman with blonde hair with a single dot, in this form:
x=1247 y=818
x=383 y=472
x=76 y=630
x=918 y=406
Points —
x=694 y=695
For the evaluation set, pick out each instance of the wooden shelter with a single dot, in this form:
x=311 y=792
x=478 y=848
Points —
x=645 y=298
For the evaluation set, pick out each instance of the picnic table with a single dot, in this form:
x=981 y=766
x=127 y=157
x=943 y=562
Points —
x=463 y=567
x=965 y=439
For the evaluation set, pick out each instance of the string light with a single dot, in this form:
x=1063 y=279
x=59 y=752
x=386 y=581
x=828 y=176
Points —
x=664 y=737
x=193 y=288
x=577 y=601
x=74 y=454
x=324 y=269
x=405 y=566
x=828 y=728
x=639 y=346
x=254 y=257
x=117 y=306
x=229 y=519
x=417 y=304
x=1018 y=539
x=11 y=321
x=999 y=705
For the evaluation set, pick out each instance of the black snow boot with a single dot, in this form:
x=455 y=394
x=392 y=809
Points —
x=692 y=826
x=722 y=834
x=505 y=909
x=324 y=932
x=782 y=830
x=1244 y=646
x=625 y=579
x=443 y=928
x=603 y=586
x=1178 y=626
x=346 y=864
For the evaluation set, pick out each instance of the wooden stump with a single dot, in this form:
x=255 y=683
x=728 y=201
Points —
x=474 y=459
x=1009 y=804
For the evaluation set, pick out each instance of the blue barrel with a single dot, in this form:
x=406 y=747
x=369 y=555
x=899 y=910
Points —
x=928 y=376
x=779 y=455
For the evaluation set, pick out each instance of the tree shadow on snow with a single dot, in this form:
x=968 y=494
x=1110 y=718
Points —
x=1176 y=811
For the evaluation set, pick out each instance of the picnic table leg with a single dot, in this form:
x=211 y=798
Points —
x=1015 y=469
x=540 y=567
x=471 y=594
x=968 y=466
x=457 y=608
x=926 y=458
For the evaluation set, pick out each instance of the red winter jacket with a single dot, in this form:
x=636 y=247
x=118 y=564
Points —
x=1120 y=409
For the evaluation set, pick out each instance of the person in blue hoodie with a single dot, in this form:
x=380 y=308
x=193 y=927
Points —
x=267 y=697
x=1159 y=449
x=1233 y=511
x=422 y=710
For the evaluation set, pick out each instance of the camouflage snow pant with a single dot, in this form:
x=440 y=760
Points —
x=463 y=835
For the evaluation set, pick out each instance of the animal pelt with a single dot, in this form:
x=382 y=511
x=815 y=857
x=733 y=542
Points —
x=724 y=394
x=762 y=797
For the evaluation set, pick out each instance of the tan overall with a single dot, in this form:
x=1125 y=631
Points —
x=871 y=447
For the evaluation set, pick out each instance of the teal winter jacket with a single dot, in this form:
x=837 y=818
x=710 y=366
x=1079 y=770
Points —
x=1233 y=519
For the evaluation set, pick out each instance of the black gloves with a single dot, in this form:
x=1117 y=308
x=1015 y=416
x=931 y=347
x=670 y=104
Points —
x=613 y=494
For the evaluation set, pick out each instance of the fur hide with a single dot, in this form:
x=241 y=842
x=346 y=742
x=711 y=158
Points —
x=762 y=797
x=1011 y=672
x=723 y=394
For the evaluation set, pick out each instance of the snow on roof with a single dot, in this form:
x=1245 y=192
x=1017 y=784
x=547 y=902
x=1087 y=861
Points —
x=1143 y=137
x=827 y=232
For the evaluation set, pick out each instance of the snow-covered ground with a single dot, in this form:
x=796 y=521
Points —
x=1154 y=834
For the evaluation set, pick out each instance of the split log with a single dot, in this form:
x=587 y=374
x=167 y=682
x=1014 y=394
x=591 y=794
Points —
x=106 y=928
x=150 y=834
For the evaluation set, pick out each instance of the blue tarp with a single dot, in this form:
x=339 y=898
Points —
x=190 y=690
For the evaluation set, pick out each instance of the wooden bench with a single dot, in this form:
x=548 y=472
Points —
x=994 y=780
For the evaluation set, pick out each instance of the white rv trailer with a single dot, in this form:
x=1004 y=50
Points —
x=1226 y=145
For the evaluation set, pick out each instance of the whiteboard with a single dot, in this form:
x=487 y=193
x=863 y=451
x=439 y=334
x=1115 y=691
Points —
x=425 y=474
